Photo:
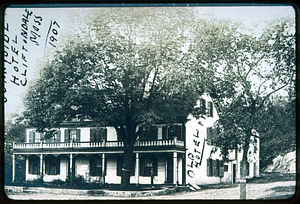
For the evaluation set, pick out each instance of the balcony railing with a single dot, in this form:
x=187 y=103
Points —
x=55 y=145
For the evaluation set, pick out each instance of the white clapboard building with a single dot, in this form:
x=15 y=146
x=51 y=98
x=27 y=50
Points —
x=179 y=153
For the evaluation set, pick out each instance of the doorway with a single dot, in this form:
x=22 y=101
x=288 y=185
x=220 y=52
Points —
x=234 y=173
x=169 y=170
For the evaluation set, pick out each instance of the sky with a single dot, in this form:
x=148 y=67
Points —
x=48 y=28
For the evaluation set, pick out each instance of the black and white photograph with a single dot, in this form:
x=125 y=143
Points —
x=150 y=102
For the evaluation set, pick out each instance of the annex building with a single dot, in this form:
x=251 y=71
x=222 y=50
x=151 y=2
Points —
x=180 y=153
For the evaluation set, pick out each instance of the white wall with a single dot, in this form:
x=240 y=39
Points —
x=85 y=134
x=196 y=134
x=111 y=134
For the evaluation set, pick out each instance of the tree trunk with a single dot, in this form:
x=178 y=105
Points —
x=127 y=165
x=243 y=193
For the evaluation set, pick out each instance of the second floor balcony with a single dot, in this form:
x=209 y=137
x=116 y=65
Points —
x=94 y=146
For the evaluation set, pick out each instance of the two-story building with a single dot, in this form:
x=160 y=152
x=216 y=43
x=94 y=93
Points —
x=178 y=154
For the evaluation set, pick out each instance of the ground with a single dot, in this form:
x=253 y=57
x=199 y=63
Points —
x=269 y=187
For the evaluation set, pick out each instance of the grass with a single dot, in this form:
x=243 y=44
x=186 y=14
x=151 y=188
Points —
x=272 y=177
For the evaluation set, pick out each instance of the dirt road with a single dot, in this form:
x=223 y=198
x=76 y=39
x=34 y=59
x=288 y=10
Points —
x=254 y=191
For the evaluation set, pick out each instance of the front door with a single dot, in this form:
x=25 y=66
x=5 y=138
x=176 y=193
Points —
x=169 y=170
x=234 y=173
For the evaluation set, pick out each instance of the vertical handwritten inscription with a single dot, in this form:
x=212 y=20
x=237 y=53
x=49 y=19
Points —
x=194 y=158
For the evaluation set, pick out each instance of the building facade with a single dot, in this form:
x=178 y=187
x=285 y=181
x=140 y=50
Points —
x=177 y=154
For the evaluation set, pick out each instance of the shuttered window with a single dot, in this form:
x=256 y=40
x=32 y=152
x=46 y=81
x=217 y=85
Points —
x=203 y=106
x=52 y=165
x=72 y=135
x=96 y=166
x=146 y=164
x=215 y=168
x=31 y=136
x=209 y=167
x=164 y=132
x=174 y=131
x=209 y=135
x=149 y=134
x=98 y=134
x=221 y=168
x=56 y=137
x=34 y=165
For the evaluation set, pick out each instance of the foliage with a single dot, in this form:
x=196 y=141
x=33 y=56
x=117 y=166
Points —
x=15 y=129
x=57 y=182
x=127 y=71
x=278 y=130
x=247 y=70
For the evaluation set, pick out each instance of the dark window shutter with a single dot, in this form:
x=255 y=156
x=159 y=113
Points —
x=214 y=168
x=67 y=137
x=47 y=168
x=92 y=134
x=91 y=167
x=133 y=167
x=208 y=169
x=142 y=163
x=58 y=136
x=164 y=132
x=119 y=166
x=77 y=135
x=247 y=173
x=104 y=134
x=178 y=132
x=203 y=106
x=210 y=105
x=208 y=135
x=155 y=166
x=57 y=165
x=221 y=168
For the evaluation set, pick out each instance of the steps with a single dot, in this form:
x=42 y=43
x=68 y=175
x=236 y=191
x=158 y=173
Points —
x=193 y=187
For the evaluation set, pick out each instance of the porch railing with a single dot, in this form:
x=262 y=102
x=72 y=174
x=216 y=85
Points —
x=55 y=145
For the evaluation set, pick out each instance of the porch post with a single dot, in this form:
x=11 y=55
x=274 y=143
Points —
x=71 y=166
x=27 y=167
x=41 y=164
x=103 y=168
x=13 y=167
x=137 y=168
x=175 y=168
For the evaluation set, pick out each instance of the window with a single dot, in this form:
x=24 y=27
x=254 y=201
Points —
x=210 y=109
x=215 y=167
x=31 y=137
x=169 y=132
x=96 y=166
x=146 y=164
x=56 y=136
x=52 y=165
x=72 y=135
x=225 y=168
x=120 y=165
x=34 y=165
x=98 y=134
x=203 y=106
x=149 y=134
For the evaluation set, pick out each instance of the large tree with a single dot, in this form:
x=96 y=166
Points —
x=248 y=69
x=128 y=70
